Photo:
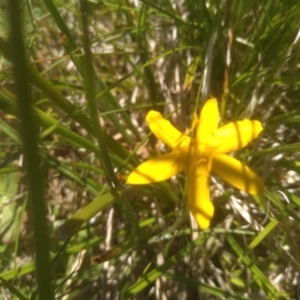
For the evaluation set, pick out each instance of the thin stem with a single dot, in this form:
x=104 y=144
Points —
x=30 y=146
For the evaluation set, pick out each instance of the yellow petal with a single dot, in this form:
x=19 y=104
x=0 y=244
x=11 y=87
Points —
x=198 y=193
x=237 y=174
x=235 y=135
x=208 y=121
x=165 y=131
x=159 y=168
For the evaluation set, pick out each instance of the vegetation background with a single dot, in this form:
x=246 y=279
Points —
x=72 y=125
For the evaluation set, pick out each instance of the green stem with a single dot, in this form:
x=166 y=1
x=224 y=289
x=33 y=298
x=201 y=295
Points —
x=30 y=146
x=94 y=113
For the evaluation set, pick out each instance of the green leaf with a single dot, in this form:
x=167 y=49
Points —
x=69 y=227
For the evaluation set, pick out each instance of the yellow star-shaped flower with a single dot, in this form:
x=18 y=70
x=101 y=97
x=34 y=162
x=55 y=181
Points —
x=200 y=155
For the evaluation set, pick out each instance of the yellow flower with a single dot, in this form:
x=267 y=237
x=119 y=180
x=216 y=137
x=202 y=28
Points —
x=200 y=155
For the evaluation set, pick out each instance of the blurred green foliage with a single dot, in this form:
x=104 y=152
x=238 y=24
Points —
x=95 y=70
